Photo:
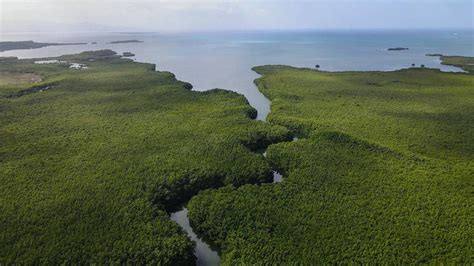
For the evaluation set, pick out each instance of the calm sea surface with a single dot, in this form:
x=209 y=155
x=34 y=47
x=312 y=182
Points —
x=224 y=59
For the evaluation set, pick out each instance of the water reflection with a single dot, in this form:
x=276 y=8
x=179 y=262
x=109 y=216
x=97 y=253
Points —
x=205 y=255
x=277 y=177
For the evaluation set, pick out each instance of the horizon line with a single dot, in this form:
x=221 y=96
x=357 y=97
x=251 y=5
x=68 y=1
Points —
x=242 y=30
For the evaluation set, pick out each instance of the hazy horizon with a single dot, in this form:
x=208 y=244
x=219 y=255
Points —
x=232 y=15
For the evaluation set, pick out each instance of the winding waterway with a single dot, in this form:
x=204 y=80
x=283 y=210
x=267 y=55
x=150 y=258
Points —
x=205 y=255
x=203 y=252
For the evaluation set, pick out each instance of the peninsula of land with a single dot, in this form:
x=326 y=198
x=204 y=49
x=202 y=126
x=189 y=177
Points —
x=23 y=45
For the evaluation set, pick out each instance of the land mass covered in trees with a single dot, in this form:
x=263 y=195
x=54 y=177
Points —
x=382 y=173
x=93 y=160
x=22 y=45
x=91 y=166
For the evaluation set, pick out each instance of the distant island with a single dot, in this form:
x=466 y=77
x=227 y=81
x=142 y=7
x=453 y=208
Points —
x=397 y=49
x=436 y=55
x=125 y=41
x=22 y=45
x=128 y=54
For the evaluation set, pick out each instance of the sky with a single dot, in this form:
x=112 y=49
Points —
x=218 y=15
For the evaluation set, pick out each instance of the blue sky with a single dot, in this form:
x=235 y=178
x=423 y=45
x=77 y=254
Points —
x=209 y=15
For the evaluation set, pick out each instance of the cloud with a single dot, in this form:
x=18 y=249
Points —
x=192 y=15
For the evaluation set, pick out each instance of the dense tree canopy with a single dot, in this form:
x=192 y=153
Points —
x=91 y=159
x=383 y=173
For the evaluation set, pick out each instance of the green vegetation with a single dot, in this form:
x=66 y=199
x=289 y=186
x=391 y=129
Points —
x=90 y=167
x=7 y=78
x=423 y=111
x=382 y=175
x=466 y=63
x=22 y=45
x=92 y=161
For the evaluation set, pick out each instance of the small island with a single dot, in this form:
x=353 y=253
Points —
x=397 y=49
x=435 y=55
x=128 y=54
x=23 y=45
x=125 y=41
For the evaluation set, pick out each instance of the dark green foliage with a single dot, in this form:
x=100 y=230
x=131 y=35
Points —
x=89 y=167
x=423 y=111
x=7 y=59
x=384 y=175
